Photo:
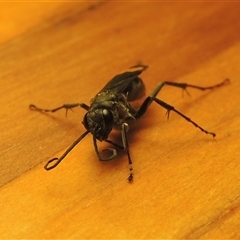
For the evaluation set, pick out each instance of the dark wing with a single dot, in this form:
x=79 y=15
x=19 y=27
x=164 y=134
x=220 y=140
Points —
x=121 y=82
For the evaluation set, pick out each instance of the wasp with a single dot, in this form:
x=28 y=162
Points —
x=111 y=108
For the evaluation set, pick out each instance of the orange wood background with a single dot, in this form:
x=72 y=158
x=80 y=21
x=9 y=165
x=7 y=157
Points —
x=187 y=185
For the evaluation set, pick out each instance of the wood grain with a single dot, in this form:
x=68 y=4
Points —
x=186 y=183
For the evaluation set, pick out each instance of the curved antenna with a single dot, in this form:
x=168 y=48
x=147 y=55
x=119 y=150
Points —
x=58 y=160
x=113 y=150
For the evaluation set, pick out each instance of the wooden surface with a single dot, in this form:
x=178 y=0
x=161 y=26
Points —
x=186 y=183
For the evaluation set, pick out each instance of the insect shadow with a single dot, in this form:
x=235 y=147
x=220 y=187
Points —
x=111 y=108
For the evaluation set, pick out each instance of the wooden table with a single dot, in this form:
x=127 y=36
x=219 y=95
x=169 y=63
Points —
x=186 y=184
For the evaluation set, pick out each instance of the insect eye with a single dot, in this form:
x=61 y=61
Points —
x=85 y=122
x=107 y=115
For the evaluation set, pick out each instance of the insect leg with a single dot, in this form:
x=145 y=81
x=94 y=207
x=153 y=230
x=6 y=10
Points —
x=171 y=108
x=114 y=144
x=66 y=106
x=184 y=86
x=143 y=108
x=58 y=160
x=124 y=127
x=101 y=158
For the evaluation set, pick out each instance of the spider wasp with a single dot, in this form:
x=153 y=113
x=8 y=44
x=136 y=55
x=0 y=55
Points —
x=111 y=108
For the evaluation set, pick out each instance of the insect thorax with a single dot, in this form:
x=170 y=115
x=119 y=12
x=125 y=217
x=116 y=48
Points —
x=115 y=102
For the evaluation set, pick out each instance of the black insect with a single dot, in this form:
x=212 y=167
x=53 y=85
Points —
x=111 y=108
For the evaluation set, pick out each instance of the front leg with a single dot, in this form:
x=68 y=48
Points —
x=126 y=148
